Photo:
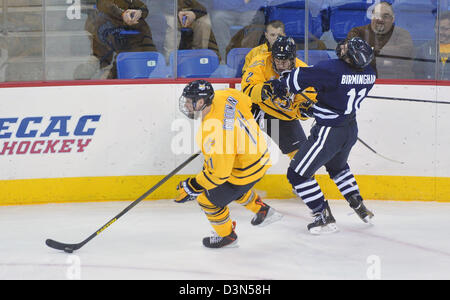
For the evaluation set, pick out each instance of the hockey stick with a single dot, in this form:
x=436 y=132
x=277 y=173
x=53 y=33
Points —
x=407 y=99
x=360 y=140
x=370 y=148
x=69 y=248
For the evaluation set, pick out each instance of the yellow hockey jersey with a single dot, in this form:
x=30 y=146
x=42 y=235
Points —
x=253 y=53
x=261 y=70
x=234 y=148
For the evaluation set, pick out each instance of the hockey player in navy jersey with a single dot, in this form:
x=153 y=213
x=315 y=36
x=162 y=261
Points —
x=341 y=85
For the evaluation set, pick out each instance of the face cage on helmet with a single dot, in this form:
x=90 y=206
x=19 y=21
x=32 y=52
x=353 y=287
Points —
x=291 y=67
x=191 y=114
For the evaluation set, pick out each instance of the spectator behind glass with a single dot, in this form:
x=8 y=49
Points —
x=240 y=13
x=427 y=69
x=193 y=25
x=392 y=45
x=274 y=29
x=118 y=26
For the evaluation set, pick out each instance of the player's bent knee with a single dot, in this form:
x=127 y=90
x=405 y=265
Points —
x=295 y=178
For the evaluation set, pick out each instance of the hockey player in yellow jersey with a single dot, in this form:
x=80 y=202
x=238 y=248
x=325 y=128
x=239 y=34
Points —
x=274 y=29
x=236 y=158
x=287 y=111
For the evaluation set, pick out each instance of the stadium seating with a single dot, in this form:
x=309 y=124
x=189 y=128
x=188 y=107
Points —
x=408 y=16
x=314 y=56
x=133 y=65
x=236 y=60
x=343 y=17
x=346 y=16
x=293 y=16
x=198 y=63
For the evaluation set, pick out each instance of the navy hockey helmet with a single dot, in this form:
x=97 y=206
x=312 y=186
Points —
x=359 y=52
x=192 y=93
x=284 y=48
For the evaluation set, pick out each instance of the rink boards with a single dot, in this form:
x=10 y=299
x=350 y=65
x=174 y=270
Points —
x=102 y=142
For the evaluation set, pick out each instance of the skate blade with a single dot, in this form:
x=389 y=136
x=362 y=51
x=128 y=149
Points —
x=272 y=217
x=232 y=245
x=328 y=229
x=368 y=219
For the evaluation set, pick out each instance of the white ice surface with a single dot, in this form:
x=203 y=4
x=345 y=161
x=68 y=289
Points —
x=162 y=240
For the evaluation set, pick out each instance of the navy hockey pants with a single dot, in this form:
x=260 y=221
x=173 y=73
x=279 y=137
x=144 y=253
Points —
x=326 y=146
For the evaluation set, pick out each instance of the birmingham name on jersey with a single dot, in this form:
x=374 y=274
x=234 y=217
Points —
x=358 y=79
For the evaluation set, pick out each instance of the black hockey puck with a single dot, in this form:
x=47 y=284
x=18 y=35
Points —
x=68 y=250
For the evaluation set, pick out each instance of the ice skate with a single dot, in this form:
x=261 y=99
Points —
x=266 y=215
x=216 y=241
x=324 y=222
x=356 y=202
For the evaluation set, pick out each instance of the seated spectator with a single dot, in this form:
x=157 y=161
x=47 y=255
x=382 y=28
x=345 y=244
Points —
x=118 y=26
x=193 y=25
x=393 y=46
x=273 y=30
x=426 y=64
x=242 y=13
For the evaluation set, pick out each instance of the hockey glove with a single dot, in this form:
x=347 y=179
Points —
x=188 y=190
x=266 y=92
x=306 y=109
x=278 y=88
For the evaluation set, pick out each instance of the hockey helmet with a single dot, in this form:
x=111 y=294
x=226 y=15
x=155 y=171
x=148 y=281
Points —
x=284 y=48
x=359 y=52
x=192 y=93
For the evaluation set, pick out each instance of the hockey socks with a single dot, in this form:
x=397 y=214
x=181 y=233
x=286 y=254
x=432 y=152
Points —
x=346 y=183
x=348 y=187
x=219 y=217
x=308 y=189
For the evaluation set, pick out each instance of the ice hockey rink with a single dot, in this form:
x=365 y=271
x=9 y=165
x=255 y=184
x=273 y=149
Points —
x=162 y=240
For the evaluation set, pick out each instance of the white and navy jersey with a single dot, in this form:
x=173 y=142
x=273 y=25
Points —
x=340 y=89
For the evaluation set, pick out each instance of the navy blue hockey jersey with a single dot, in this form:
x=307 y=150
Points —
x=340 y=89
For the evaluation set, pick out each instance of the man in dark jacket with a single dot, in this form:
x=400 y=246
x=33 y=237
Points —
x=119 y=26
x=393 y=46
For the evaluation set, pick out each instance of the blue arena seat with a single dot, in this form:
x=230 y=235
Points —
x=408 y=17
x=346 y=16
x=197 y=63
x=133 y=65
x=236 y=60
x=292 y=14
x=314 y=56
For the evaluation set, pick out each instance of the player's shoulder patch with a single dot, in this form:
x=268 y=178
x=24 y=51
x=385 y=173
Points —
x=258 y=62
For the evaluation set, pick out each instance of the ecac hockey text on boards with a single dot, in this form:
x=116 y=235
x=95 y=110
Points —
x=37 y=127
